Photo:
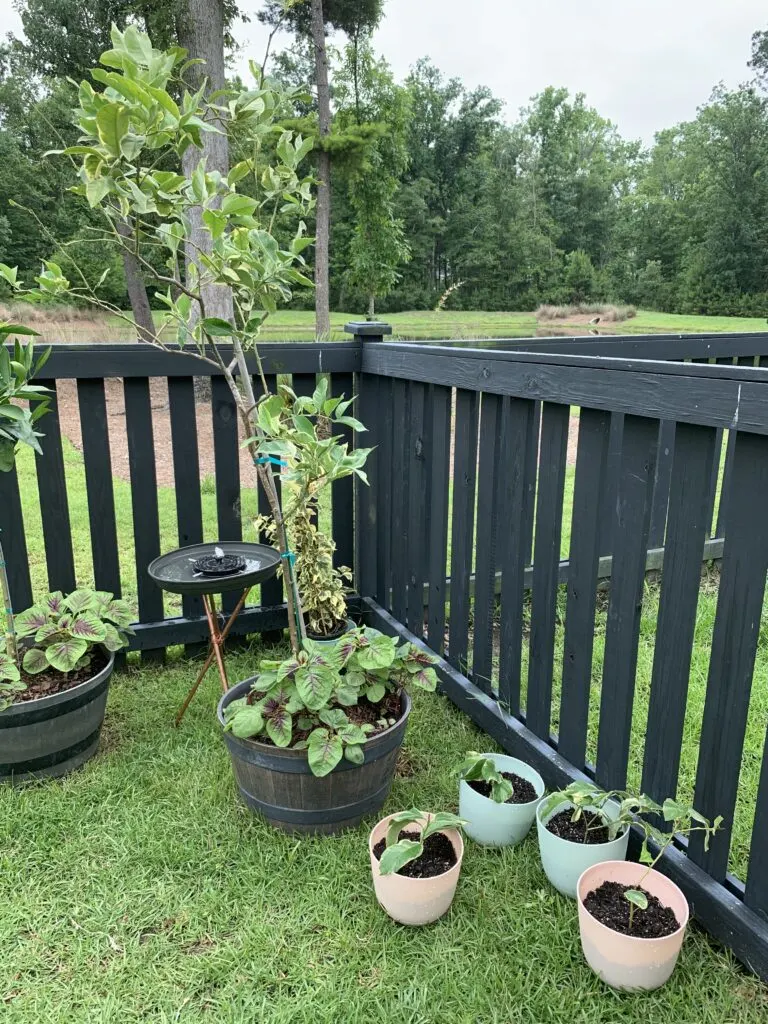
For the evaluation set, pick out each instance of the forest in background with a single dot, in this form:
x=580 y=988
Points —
x=436 y=194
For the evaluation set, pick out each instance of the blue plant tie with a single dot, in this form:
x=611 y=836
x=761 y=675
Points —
x=270 y=459
x=290 y=555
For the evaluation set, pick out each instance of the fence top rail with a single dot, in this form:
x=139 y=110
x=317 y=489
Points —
x=141 y=360
x=729 y=397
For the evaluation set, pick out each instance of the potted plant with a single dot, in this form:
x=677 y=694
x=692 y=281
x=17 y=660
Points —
x=632 y=919
x=53 y=710
x=416 y=860
x=498 y=796
x=580 y=826
x=314 y=739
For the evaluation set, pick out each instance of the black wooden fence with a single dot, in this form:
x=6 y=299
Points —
x=457 y=541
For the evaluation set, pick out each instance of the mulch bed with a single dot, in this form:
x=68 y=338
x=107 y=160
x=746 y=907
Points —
x=586 y=830
x=610 y=907
x=438 y=857
x=523 y=792
x=44 y=684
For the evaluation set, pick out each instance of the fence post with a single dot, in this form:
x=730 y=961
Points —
x=370 y=412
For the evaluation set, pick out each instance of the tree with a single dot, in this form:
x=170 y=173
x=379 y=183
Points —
x=579 y=276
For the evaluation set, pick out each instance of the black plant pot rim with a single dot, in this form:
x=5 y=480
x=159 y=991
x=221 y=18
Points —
x=74 y=692
x=380 y=739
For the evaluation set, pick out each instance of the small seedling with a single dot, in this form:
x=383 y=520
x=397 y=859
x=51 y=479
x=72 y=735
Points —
x=400 y=852
x=589 y=802
x=477 y=768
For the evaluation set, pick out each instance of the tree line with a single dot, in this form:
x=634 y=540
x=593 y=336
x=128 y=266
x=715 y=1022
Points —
x=427 y=192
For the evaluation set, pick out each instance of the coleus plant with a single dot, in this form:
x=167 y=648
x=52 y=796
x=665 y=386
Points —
x=10 y=680
x=64 y=630
x=300 y=702
x=399 y=852
x=476 y=768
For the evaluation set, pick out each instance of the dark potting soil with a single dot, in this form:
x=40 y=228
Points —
x=523 y=792
x=44 y=684
x=364 y=713
x=336 y=633
x=438 y=857
x=610 y=906
x=585 y=830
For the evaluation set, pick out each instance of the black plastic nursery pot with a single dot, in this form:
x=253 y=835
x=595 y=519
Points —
x=277 y=782
x=51 y=736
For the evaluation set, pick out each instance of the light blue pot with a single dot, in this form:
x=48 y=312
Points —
x=492 y=824
x=564 y=862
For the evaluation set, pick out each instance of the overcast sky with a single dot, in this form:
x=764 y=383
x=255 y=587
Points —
x=645 y=64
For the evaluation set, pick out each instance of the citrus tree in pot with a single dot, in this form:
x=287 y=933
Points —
x=314 y=739
x=632 y=918
x=415 y=861
x=498 y=796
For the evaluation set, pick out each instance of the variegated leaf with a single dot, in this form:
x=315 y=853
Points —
x=65 y=654
x=80 y=601
x=35 y=661
x=28 y=622
x=89 y=627
x=54 y=602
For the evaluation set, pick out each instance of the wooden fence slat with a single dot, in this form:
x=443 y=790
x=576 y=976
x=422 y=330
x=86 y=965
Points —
x=342 y=496
x=666 y=452
x=488 y=513
x=146 y=521
x=98 y=484
x=271 y=590
x=519 y=427
x=608 y=505
x=186 y=472
x=630 y=541
x=734 y=644
x=400 y=418
x=681 y=577
x=756 y=890
x=14 y=541
x=531 y=471
x=462 y=526
x=438 y=461
x=54 y=504
x=384 y=473
x=589 y=486
x=415 y=537
x=555 y=420
x=226 y=457
x=304 y=384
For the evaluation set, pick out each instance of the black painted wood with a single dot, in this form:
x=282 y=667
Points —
x=186 y=473
x=531 y=471
x=271 y=590
x=681 y=577
x=155 y=636
x=14 y=541
x=546 y=563
x=438 y=461
x=726 y=490
x=722 y=440
x=462 y=524
x=519 y=427
x=415 y=537
x=734 y=643
x=384 y=475
x=611 y=489
x=584 y=557
x=630 y=534
x=489 y=517
x=398 y=541
x=226 y=456
x=666 y=452
x=98 y=484
x=342 y=499
x=304 y=384
x=756 y=889
x=146 y=523
x=363 y=527
x=54 y=504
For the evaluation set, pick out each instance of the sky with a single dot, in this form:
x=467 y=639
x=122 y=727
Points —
x=645 y=64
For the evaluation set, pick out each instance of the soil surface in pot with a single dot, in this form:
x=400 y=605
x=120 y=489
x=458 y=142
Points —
x=588 y=829
x=524 y=791
x=364 y=713
x=610 y=906
x=44 y=684
x=336 y=633
x=438 y=857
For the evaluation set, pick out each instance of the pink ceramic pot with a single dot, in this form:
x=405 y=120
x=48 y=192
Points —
x=623 y=961
x=415 y=901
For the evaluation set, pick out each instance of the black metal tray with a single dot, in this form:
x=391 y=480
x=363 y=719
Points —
x=175 y=571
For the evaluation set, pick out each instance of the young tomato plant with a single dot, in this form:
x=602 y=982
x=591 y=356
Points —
x=399 y=852
x=477 y=768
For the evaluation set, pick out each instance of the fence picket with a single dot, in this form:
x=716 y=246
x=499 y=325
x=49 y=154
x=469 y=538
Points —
x=98 y=484
x=401 y=396
x=488 y=514
x=462 y=524
x=415 y=538
x=342 y=496
x=438 y=462
x=54 y=504
x=186 y=472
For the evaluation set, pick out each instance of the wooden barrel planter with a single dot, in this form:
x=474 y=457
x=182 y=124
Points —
x=51 y=736
x=277 y=782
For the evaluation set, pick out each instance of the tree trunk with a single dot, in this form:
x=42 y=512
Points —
x=200 y=30
x=137 y=290
x=371 y=307
x=323 y=208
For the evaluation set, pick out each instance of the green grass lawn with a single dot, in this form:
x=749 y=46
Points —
x=141 y=890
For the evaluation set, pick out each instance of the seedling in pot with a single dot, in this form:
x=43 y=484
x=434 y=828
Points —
x=588 y=806
x=477 y=768
x=399 y=852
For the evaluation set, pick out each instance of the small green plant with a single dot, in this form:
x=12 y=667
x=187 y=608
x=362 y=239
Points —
x=477 y=768
x=399 y=852
x=208 y=484
x=300 y=702
x=683 y=821
x=10 y=680
x=589 y=803
x=66 y=629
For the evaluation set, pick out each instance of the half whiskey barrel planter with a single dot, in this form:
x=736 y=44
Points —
x=277 y=782
x=51 y=736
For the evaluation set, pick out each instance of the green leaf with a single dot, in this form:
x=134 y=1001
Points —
x=80 y=601
x=413 y=816
x=216 y=327
x=354 y=752
x=35 y=661
x=425 y=679
x=637 y=897
x=28 y=622
x=324 y=751
x=396 y=857
x=8 y=668
x=315 y=683
x=334 y=718
x=113 y=639
x=280 y=728
x=235 y=205
x=440 y=821
x=376 y=692
x=113 y=121
x=347 y=695
x=65 y=654
x=379 y=652
x=247 y=722
x=89 y=627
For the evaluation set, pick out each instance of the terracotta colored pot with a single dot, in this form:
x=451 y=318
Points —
x=564 y=861
x=415 y=901
x=623 y=961
x=492 y=824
